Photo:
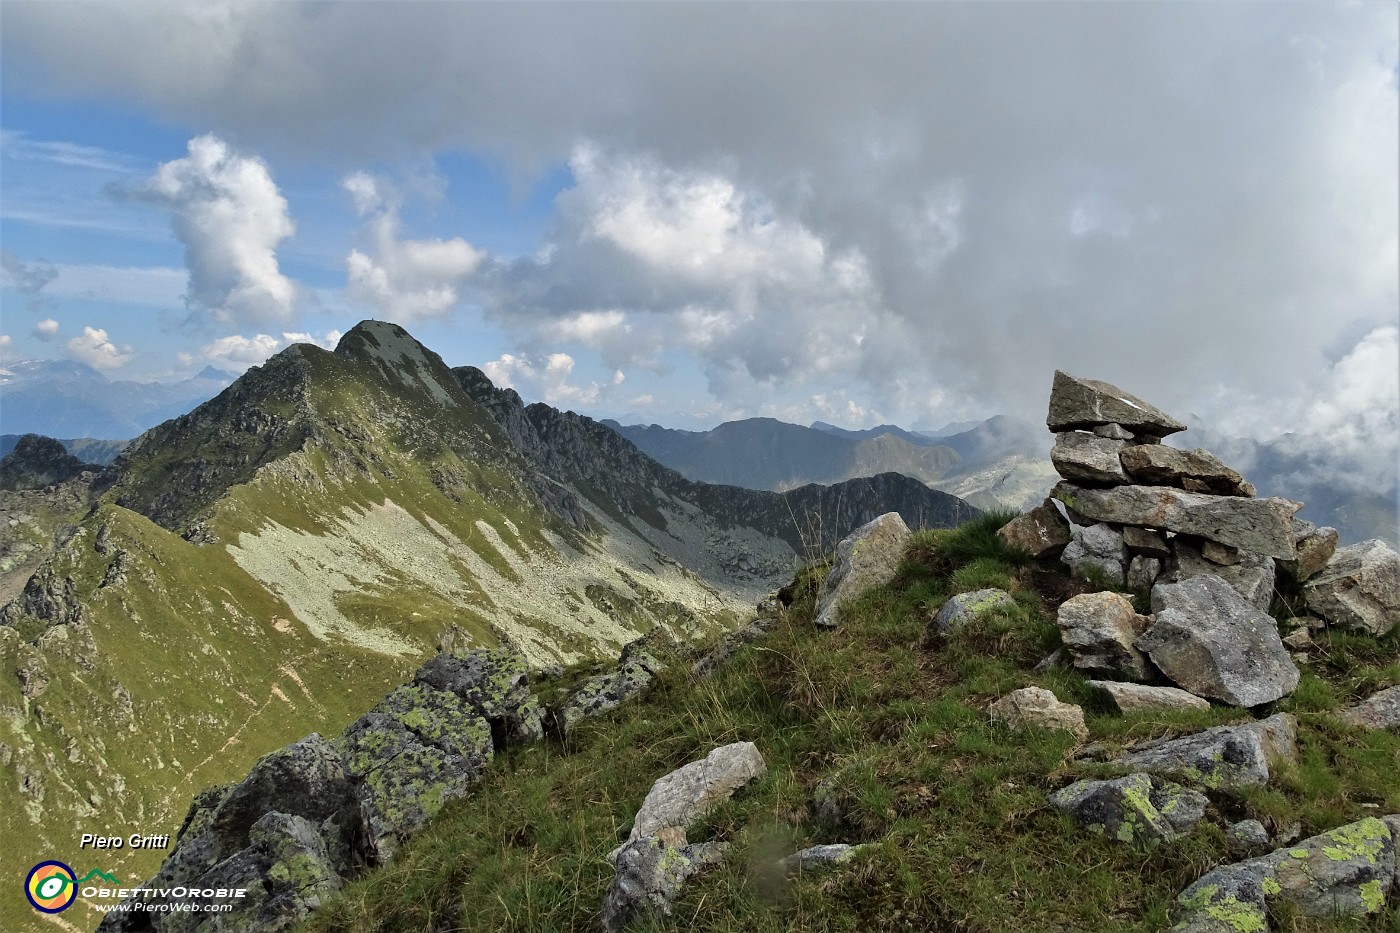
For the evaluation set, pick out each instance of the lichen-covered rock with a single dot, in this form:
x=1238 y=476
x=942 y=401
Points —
x=1381 y=710
x=1141 y=810
x=1036 y=706
x=1131 y=697
x=964 y=607
x=414 y=751
x=1250 y=575
x=1077 y=403
x=1098 y=630
x=688 y=793
x=650 y=873
x=1207 y=639
x=817 y=858
x=1359 y=589
x=492 y=683
x=1100 y=547
x=1263 y=526
x=1088 y=458
x=1222 y=758
x=1041 y=532
x=1160 y=465
x=1346 y=872
x=296 y=809
x=636 y=669
x=867 y=557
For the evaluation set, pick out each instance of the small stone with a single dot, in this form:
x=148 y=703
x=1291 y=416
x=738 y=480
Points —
x=816 y=858
x=1036 y=706
x=1246 y=835
x=1299 y=639
x=1221 y=554
x=1315 y=548
x=1100 y=547
x=964 y=607
x=1132 y=697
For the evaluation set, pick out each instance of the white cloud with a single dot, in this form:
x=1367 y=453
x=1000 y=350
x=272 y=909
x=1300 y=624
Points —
x=46 y=329
x=237 y=352
x=230 y=216
x=546 y=378
x=97 y=351
x=17 y=144
x=403 y=279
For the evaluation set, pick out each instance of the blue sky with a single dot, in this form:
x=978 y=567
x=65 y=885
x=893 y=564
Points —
x=687 y=213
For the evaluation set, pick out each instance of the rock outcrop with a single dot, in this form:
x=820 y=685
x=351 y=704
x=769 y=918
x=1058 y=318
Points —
x=39 y=461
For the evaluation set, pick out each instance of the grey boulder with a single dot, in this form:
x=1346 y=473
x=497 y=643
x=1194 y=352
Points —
x=1036 y=706
x=1381 y=710
x=1251 y=575
x=1077 y=403
x=1088 y=458
x=1359 y=589
x=1315 y=548
x=1098 y=631
x=688 y=793
x=1160 y=465
x=1041 y=532
x=1129 y=698
x=1208 y=640
x=649 y=875
x=1222 y=758
x=1100 y=547
x=867 y=557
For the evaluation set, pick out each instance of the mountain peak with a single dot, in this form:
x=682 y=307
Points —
x=399 y=358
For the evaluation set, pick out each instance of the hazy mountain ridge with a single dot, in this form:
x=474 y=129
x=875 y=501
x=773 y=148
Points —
x=86 y=449
x=63 y=398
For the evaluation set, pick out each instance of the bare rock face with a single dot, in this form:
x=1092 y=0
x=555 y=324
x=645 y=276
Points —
x=1359 y=589
x=1208 y=640
x=1088 y=403
x=1088 y=458
x=1160 y=465
x=1263 y=526
x=1098 y=630
x=1222 y=758
x=867 y=557
x=1042 y=532
x=1132 y=697
x=1036 y=706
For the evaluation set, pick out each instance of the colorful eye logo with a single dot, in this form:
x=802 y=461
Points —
x=51 y=887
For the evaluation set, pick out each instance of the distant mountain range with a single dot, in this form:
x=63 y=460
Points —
x=64 y=398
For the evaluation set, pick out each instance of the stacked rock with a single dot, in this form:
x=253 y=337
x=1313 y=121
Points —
x=1148 y=517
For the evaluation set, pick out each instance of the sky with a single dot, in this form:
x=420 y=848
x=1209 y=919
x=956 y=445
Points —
x=689 y=213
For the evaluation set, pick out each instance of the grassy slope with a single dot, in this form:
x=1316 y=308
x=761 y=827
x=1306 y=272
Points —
x=894 y=724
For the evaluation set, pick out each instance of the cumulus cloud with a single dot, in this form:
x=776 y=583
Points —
x=227 y=211
x=96 y=350
x=402 y=279
x=46 y=329
x=237 y=352
x=546 y=377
